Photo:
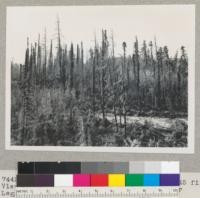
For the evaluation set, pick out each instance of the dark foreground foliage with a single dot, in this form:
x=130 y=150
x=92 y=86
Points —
x=64 y=132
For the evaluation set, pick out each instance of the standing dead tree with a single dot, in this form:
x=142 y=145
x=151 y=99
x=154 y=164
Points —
x=82 y=71
x=25 y=95
x=71 y=84
x=44 y=69
x=159 y=65
x=51 y=75
x=60 y=58
x=39 y=63
x=104 y=53
x=113 y=86
x=94 y=60
x=153 y=66
x=124 y=86
x=28 y=92
x=137 y=63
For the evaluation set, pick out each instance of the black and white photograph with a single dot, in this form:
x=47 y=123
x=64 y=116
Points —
x=100 y=78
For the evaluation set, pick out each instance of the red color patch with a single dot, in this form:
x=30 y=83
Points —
x=99 y=180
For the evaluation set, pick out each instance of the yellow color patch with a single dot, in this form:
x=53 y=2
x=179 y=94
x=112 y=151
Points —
x=116 y=180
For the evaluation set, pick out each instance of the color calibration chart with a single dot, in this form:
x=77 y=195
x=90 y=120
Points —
x=98 y=179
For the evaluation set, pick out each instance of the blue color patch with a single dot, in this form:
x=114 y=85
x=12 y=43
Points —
x=151 y=179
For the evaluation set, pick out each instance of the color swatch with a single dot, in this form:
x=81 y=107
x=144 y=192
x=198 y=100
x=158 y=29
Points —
x=99 y=180
x=63 y=180
x=169 y=179
x=81 y=180
x=134 y=180
x=44 y=180
x=116 y=180
x=151 y=180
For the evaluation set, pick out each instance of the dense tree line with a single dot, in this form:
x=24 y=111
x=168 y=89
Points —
x=62 y=98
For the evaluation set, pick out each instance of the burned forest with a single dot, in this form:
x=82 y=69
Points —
x=65 y=95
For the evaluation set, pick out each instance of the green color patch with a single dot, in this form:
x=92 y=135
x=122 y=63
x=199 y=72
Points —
x=134 y=180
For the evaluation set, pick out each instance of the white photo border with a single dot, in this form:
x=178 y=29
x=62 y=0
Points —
x=179 y=150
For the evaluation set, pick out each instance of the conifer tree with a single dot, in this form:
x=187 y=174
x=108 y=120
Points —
x=138 y=72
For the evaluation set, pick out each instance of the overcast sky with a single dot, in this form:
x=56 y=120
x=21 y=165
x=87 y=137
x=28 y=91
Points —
x=173 y=25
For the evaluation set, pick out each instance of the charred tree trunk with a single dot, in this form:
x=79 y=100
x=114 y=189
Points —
x=39 y=63
x=45 y=61
x=113 y=81
x=153 y=65
x=138 y=73
x=94 y=82
x=61 y=66
x=124 y=84
x=71 y=86
x=50 y=83
x=71 y=67
x=25 y=97
x=103 y=72
x=82 y=71
x=159 y=79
